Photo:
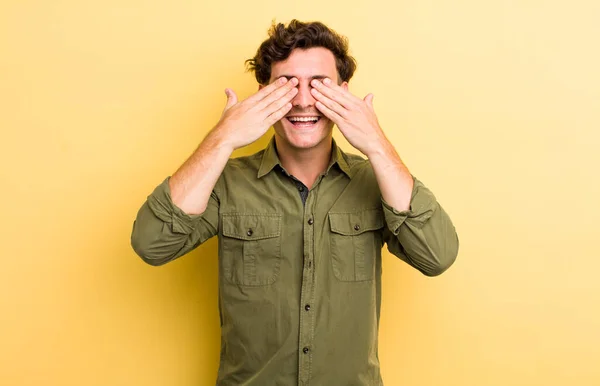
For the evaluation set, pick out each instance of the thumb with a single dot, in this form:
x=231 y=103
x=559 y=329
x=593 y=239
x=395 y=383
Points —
x=231 y=98
x=369 y=100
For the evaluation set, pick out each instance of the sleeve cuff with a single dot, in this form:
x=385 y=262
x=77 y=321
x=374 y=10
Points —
x=422 y=207
x=162 y=206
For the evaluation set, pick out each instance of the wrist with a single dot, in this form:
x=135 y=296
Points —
x=220 y=138
x=379 y=147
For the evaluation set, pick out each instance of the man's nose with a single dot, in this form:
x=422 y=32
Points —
x=304 y=98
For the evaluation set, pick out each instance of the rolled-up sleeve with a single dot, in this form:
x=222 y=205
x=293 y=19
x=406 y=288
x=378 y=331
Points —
x=423 y=235
x=163 y=232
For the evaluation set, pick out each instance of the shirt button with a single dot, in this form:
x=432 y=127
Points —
x=307 y=307
x=357 y=227
x=249 y=233
x=301 y=188
x=305 y=350
x=310 y=221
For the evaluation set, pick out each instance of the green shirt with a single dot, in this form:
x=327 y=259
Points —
x=299 y=271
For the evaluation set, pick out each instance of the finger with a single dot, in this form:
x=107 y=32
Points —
x=231 y=98
x=278 y=103
x=334 y=92
x=263 y=92
x=329 y=103
x=332 y=115
x=336 y=87
x=369 y=100
x=278 y=94
x=278 y=114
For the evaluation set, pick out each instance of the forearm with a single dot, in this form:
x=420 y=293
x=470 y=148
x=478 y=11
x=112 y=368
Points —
x=393 y=177
x=192 y=184
x=241 y=124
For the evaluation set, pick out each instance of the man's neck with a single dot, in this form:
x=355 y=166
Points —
x=305 y=164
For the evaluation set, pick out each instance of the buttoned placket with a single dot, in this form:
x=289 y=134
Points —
x=307 y=317
x=307 y=313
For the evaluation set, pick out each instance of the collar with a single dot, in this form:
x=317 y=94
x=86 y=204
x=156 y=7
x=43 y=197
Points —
x=270 y=159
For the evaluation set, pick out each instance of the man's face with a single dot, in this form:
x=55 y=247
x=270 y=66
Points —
x=304 y=126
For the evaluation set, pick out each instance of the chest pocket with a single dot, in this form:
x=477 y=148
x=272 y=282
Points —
x=251 y=248
x=355 y=243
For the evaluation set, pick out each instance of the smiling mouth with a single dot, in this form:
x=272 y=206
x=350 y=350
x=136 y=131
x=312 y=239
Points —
x=303 y=121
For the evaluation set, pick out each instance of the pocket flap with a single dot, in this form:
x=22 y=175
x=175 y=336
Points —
x=255 y=226
x=355 y=223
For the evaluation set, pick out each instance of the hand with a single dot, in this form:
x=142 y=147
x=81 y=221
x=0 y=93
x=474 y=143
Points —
x=354 y=117
x=244 y=122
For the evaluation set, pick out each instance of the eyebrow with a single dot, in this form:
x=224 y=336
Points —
x=288 y=77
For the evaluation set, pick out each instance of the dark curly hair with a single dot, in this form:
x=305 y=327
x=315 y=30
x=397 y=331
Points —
x=283 y=40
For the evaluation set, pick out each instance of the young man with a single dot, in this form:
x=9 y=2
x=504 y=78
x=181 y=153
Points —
x=300 y=224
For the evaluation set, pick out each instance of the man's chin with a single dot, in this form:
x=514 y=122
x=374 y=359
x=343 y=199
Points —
x=303 y=139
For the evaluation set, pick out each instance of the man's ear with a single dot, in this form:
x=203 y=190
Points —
x=344 y=85
x=260 y=86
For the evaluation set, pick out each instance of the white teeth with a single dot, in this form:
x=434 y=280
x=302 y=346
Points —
x=303 y=119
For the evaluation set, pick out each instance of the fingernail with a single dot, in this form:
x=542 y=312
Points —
x=315 y=82
x=327 y=81
x=294 y=81
x=282 y=80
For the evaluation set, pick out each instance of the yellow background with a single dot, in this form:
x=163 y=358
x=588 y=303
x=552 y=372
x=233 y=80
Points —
x=495 y=105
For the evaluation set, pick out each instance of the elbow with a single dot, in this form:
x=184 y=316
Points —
x=150 y=254
x=444 y=260
x=438 y=269
x=146 y=244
